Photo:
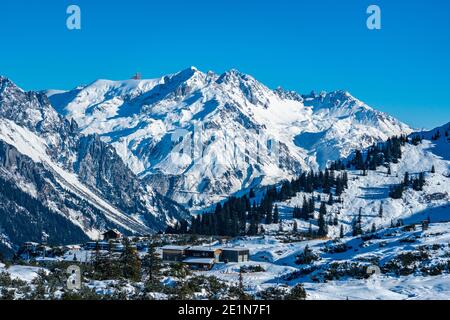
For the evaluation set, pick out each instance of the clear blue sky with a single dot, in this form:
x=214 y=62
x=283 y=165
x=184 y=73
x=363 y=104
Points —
x=403 y=69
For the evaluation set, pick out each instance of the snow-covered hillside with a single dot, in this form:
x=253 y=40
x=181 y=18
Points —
x=413 y=258
x=413 y=265
x=198 y=137
x=369 y=193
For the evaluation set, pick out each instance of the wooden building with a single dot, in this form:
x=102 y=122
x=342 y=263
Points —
x=173 y=253
x=112 y=234
x=204 y=252
x=235 y=255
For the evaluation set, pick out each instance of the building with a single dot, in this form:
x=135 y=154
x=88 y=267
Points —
x=203 y=258
x=173 y=253
x=112 y=234
x=105 y=246
x=235 y=255
x=204 y=252
x=200 y=263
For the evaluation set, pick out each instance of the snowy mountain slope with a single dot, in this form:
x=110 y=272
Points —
x=27 y=143
x=198 y=137
x=414 y=264
x=413 y=260
x=369 y=193
x=440 y=141
x=78 y=177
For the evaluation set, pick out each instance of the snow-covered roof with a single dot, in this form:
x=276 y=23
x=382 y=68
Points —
x=206 y=249
x=235 y=249
x=174 y=247
x=199 y=261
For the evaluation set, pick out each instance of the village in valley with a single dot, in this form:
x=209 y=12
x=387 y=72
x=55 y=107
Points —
x=196 y=257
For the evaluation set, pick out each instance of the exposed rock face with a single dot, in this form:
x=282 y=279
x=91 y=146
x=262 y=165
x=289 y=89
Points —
x=77 y=182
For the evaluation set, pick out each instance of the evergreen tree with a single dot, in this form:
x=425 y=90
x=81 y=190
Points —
x=335 y=220
x=269 y=217
x=253 y=229
x=357 y=225
x=152 y=265
x=130 y=263
x=341 y=233
x=433 y=169
x=276 y=215
x=330 y=200
x=397 y=192
x=321 y=222
x=380 y=211
x=374 y=228
x=295 y=227
x=406 y=180
x=262 y=230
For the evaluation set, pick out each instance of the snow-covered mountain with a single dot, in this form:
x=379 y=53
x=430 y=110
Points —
x=198 y=137
x=66 y=185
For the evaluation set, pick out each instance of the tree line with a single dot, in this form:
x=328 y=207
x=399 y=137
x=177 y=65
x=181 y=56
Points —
x=239 y=216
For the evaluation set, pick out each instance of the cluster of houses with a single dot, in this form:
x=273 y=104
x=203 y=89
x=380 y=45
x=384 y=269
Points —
x=196 y=257
x=203 y=258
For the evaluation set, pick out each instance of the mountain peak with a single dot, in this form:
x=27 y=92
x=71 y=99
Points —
x=7 y=83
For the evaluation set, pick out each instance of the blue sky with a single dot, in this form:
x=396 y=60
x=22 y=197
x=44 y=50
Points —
x=403 y=69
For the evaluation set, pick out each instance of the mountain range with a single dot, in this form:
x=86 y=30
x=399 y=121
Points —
x=138 y=155
x=199 y=137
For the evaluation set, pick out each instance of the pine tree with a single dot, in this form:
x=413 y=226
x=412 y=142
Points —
x=311 y=207
x=295 y=227
x=269 y=217
x=241 y=280
x=374 y=228
x=276 y=215
x=262 y=230
x=433 y=169
x=253 y=229
x=397 y=192
x=330 y=200
x=130 y=263
x=321 y=222
x=380 y=211
x=341 y=234
x=357 y=225
x=305 y=212
x=406 y=179
x=152 y=265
